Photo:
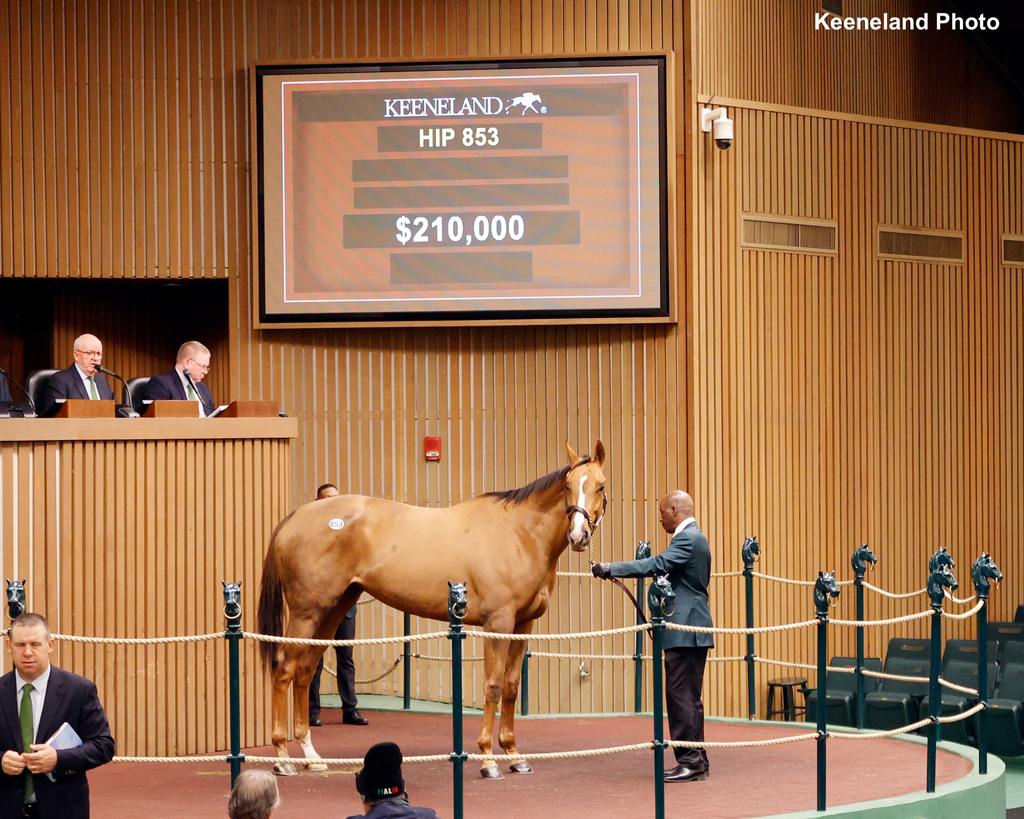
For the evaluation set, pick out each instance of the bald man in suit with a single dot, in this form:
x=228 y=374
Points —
x=687 y=562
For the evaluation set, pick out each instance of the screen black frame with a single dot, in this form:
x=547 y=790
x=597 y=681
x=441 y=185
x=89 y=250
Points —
x=663 y=312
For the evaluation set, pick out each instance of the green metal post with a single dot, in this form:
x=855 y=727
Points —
x=406 y=664
x=233 y=615
x=751 y=552
x=456 y=611
x=982 y=683
x=983 y=570
x=862 y=556
x=821 y=611
x=643 y=551
x=657 y=630
x=524 y=685
x=940 y=576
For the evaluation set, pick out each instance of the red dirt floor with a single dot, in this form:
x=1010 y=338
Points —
x=743 y=782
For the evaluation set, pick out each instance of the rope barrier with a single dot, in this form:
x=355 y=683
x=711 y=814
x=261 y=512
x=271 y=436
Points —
x=893 y=595
x=882 y=675
x=970 y=712
x=737 y=658
x=906 y=618
x=139 y=641
x=358 y=761
x=727 y=574
x=752 y=743
x=184 y=760
x=906 y=729
x=955 y=599
x=963 y=689
x=369 y=641
x=967 y=614
x=488 y=635
x=755 y=630
x=790 y=581
x=568 y=656
x=444 y=659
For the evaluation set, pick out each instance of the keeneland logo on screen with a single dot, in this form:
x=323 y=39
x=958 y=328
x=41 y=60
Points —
x=410 y=107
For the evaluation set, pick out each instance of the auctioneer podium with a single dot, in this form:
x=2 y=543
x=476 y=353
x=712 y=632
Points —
x=124 y=527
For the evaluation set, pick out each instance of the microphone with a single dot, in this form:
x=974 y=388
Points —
x=31 y=403
x=188 y=377
x=123 y=411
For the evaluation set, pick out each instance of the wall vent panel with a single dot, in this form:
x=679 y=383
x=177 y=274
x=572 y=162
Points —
x=915 y=244
x=789 y=234
x=1013 y=250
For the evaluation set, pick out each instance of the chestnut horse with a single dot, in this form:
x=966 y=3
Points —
x=505 y=545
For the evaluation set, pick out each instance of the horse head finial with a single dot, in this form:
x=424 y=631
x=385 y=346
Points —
x=942 y=557
x=661 y=597
x=826 y=592
x=983 y=570
x=751 y=552
x=458 y=600
x=232 y=600
x=862 y=559
x=940 y=579
x=16 y=605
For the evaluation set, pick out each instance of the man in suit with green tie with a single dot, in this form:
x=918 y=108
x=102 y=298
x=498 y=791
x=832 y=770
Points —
x=81 y=380
x=687 y=562
x=36 y=699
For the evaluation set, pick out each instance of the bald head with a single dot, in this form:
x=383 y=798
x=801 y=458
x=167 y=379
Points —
x=674 y=508
x=88 y=352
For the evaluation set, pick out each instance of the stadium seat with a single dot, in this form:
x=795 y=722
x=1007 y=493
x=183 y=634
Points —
x=1013 y=653
x=138 y=390
x=841 y=698
x=908 y=648
x=965 y=673
x=37 y=383
x=896 y=701
x=1019 y=616
x=1004 y=632
x=966 y=651
x=1004 y=717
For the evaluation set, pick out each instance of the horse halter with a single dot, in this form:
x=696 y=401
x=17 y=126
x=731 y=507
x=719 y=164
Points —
x=592 y=525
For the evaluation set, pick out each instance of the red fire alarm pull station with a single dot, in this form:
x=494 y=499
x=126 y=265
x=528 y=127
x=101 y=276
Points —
x=432 y=447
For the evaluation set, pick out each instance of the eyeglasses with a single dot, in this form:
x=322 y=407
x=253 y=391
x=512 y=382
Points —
x=90 y=353
x=204 y=367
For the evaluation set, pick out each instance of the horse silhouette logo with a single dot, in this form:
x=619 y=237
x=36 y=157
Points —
x=528 y=101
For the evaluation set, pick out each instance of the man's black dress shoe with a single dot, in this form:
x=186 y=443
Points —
x=354 y=718
x=314 y=722
x=680 y=773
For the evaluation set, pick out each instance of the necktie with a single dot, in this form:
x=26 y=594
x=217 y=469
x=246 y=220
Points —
x=93 y=392
x=27 y=734
x=190 y=391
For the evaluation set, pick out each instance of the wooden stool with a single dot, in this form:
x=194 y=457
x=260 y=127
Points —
x=788 y=686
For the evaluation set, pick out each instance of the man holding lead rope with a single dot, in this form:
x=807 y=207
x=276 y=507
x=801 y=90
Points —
x=687 y=562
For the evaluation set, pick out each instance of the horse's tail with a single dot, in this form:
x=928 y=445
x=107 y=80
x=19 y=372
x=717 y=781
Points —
x=270 y=615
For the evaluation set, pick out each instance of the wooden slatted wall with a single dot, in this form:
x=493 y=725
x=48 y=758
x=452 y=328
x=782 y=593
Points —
x=132 y=539
x=128 y=157
x=770 y=51
x=846 y=398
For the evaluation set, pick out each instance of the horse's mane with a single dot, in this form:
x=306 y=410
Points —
x=542 y=484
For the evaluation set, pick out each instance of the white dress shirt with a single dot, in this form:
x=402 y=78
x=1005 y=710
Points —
x=85 y=382
x=683 y=524
x=38 y=696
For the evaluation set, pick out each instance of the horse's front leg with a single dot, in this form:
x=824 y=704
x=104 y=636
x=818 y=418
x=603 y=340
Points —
x=495 y=652
x=509 y=697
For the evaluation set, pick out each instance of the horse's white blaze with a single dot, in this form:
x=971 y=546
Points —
x=578 y=521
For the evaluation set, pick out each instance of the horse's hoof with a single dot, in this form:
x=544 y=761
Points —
x=490 y=772
x=316 y=766
x=522 y=767
x=284 y=769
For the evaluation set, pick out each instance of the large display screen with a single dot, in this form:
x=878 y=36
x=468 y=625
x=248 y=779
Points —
x=461 y=192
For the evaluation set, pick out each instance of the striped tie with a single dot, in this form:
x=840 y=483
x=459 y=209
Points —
x=93 y=392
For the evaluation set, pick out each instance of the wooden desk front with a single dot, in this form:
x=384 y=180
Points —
x=125 y=528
